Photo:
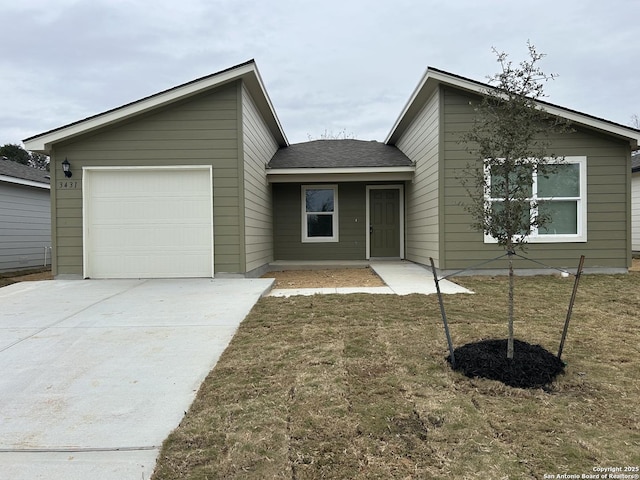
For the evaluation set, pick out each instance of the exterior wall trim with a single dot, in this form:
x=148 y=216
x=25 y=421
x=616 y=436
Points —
x=371 y=175
x=346 y=170
x=442 y=252
x=242 y=221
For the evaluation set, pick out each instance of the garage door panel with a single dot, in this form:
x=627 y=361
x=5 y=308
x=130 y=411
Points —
x=149 y=236
x=135 y=181
x=127 y=211
x=154 y=264
x=148 y=223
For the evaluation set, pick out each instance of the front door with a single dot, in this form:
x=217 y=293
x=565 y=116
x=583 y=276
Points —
x=384 y=222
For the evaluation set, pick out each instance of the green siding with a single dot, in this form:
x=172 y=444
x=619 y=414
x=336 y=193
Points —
x=420 y=143
x=200 y=131
x=288 y=225
x=258 y=148
x=607 y=194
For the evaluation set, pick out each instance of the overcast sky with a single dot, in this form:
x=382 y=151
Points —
x=334 y=66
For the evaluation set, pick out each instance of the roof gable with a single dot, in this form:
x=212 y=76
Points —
x=434 y=77
x=339 y=154
x=247 y=72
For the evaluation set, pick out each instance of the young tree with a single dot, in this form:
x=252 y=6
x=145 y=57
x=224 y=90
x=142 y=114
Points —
x=509 y=141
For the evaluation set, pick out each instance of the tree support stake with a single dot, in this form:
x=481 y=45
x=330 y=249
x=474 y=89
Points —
x=444 y=315
x=571 y=302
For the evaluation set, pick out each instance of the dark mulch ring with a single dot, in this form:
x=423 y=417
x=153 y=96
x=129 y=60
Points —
x=531 y=367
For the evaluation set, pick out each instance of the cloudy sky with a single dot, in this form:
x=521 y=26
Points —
x=328 y=66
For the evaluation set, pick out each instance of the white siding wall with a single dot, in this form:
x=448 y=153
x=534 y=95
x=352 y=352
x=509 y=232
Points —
x=420 y=144
x=259 y=146
x=25 y=226
x=635 y=212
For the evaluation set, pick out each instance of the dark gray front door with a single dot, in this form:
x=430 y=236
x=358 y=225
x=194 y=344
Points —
x=384 y=221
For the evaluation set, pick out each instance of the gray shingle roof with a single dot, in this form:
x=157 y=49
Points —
x=635 y=161
x=9 y=168
x=339 y=154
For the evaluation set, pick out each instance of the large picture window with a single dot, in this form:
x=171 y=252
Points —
x=562 y=195
x=320 y=213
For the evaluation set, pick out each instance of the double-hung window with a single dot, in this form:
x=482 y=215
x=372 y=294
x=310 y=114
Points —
x=561 y=195
x=320 y=213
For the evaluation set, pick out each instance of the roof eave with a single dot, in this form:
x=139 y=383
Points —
x=24 y=181
x=345 y=174
x=247 y=72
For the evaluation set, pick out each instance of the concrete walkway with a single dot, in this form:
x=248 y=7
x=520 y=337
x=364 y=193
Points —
x=401 y=277
x=97 y=373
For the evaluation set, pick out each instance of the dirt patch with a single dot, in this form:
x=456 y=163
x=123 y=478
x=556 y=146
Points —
x=8 y=278
x=32 y=277
x=331 y=278
x=635 y=265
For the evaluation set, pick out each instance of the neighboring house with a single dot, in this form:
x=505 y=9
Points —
x=25 y=216
x=635 y=202
x=200 y=180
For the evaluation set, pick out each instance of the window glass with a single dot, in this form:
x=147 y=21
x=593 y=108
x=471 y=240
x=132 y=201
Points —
x=563 y=181
x=499 y=184
x=556 y=192
x=320 y=215
x=519 y=216
x=319 y=225
x=564 y=217
x=319 y=200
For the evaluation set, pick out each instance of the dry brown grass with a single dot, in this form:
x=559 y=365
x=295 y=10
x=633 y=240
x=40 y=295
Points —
x=357 y=387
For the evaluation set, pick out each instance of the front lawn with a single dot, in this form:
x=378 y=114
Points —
x=357 y=386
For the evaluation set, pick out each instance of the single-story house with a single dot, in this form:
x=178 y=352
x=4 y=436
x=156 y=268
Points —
x=200 y=180
x=25 y=216
x=635 y=202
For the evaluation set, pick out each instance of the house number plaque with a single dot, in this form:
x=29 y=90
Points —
x=68 y=184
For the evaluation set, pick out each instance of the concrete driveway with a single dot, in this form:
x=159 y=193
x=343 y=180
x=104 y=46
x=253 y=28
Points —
x=95 y=374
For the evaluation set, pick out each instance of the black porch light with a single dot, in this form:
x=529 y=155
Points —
x=66 y=168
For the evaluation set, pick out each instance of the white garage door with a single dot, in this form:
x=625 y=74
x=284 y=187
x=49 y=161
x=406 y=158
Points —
x=148 y=223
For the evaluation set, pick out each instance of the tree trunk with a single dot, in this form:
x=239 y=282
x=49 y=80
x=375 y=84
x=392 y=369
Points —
x=511 y=282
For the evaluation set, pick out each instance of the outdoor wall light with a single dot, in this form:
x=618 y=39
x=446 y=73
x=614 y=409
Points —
x=66 y=168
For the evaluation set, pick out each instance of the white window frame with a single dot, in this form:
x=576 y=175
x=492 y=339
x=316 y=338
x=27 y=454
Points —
x=581 y=205
x=335 y=237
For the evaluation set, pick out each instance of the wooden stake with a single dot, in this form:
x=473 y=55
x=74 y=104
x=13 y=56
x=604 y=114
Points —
x=571 y=302
x=444 y=315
